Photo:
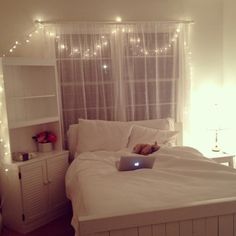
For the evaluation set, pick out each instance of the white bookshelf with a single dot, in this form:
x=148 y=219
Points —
x=32 y=101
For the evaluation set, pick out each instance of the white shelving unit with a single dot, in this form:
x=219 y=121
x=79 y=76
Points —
x=33 y=191
x=32 y=105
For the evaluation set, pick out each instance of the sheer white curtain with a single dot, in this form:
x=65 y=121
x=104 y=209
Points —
x=122 y=71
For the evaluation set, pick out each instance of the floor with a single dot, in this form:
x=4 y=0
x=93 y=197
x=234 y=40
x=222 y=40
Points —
x=59 y=227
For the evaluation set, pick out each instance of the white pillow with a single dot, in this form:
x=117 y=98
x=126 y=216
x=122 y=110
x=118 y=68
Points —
x=163 y=124
x=96 y=135
x=140 y=134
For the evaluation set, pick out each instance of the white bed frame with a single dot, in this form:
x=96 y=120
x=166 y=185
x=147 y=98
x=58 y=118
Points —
x=216 y=217
x=209 y=218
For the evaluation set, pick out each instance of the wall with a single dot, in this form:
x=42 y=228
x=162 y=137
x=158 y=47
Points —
x=206 y=33
x=229 y=69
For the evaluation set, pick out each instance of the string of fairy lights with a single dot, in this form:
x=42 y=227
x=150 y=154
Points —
x=4 y=135
x=137 y=45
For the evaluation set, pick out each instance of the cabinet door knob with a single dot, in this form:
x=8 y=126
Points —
x=45 y=182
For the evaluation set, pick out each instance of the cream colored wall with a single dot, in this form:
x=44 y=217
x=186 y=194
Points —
x=229 y=42
x=229 y=70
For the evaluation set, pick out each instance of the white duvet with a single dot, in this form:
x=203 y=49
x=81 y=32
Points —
x=181 y=175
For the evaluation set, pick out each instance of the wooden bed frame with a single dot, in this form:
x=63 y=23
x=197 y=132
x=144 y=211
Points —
x=215 y=217
x=208 y=218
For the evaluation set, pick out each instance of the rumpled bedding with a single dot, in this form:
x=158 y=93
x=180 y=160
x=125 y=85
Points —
x=181 y=175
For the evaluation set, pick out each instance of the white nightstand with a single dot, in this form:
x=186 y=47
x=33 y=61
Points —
x=221 y=157
x=34 y=191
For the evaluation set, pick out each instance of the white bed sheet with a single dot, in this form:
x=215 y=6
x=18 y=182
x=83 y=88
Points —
x=181 y=175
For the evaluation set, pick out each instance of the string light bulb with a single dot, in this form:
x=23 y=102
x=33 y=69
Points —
x=118 y=19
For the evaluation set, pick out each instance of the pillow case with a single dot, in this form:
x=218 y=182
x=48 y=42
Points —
x=140 y=134
x=164 y=124
x=94 y=135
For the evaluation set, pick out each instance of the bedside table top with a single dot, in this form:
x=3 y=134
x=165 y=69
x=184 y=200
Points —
x=221 y=154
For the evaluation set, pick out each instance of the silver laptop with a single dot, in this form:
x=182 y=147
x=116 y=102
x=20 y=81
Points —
x=135 y=162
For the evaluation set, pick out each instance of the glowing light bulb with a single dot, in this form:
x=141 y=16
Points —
x=27 y=41
x=118 y=19
x=16 y=42
x=62 y=46
x=6 y=170
x=136 y=164
x=11 y=50
x=105 y=66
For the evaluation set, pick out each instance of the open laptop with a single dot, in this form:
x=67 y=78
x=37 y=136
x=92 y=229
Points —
x=135 y=162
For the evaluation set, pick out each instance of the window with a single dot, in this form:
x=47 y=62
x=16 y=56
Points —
x=121 y=72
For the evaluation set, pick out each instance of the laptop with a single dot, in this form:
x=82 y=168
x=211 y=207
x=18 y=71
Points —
x=135 y=162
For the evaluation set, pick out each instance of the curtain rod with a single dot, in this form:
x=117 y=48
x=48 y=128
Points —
x=52 y=22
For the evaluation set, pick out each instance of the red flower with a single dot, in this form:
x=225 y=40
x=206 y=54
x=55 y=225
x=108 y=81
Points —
x=45 y=137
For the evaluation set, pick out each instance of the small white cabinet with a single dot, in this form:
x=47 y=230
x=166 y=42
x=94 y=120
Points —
x=34 y=191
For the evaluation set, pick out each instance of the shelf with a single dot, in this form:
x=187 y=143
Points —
x=21 y=124
x=34 y=96
x=41 y=156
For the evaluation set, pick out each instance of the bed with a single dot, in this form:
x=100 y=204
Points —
x=184 y=194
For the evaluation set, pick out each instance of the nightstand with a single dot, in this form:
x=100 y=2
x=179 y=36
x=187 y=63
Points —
x=221 y=157
x=34 y=191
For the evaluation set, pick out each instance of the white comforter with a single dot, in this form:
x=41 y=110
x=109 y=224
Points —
x=180 y=175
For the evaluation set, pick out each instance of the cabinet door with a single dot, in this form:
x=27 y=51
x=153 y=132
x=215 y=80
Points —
x=56 y=168
x=34 y=190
